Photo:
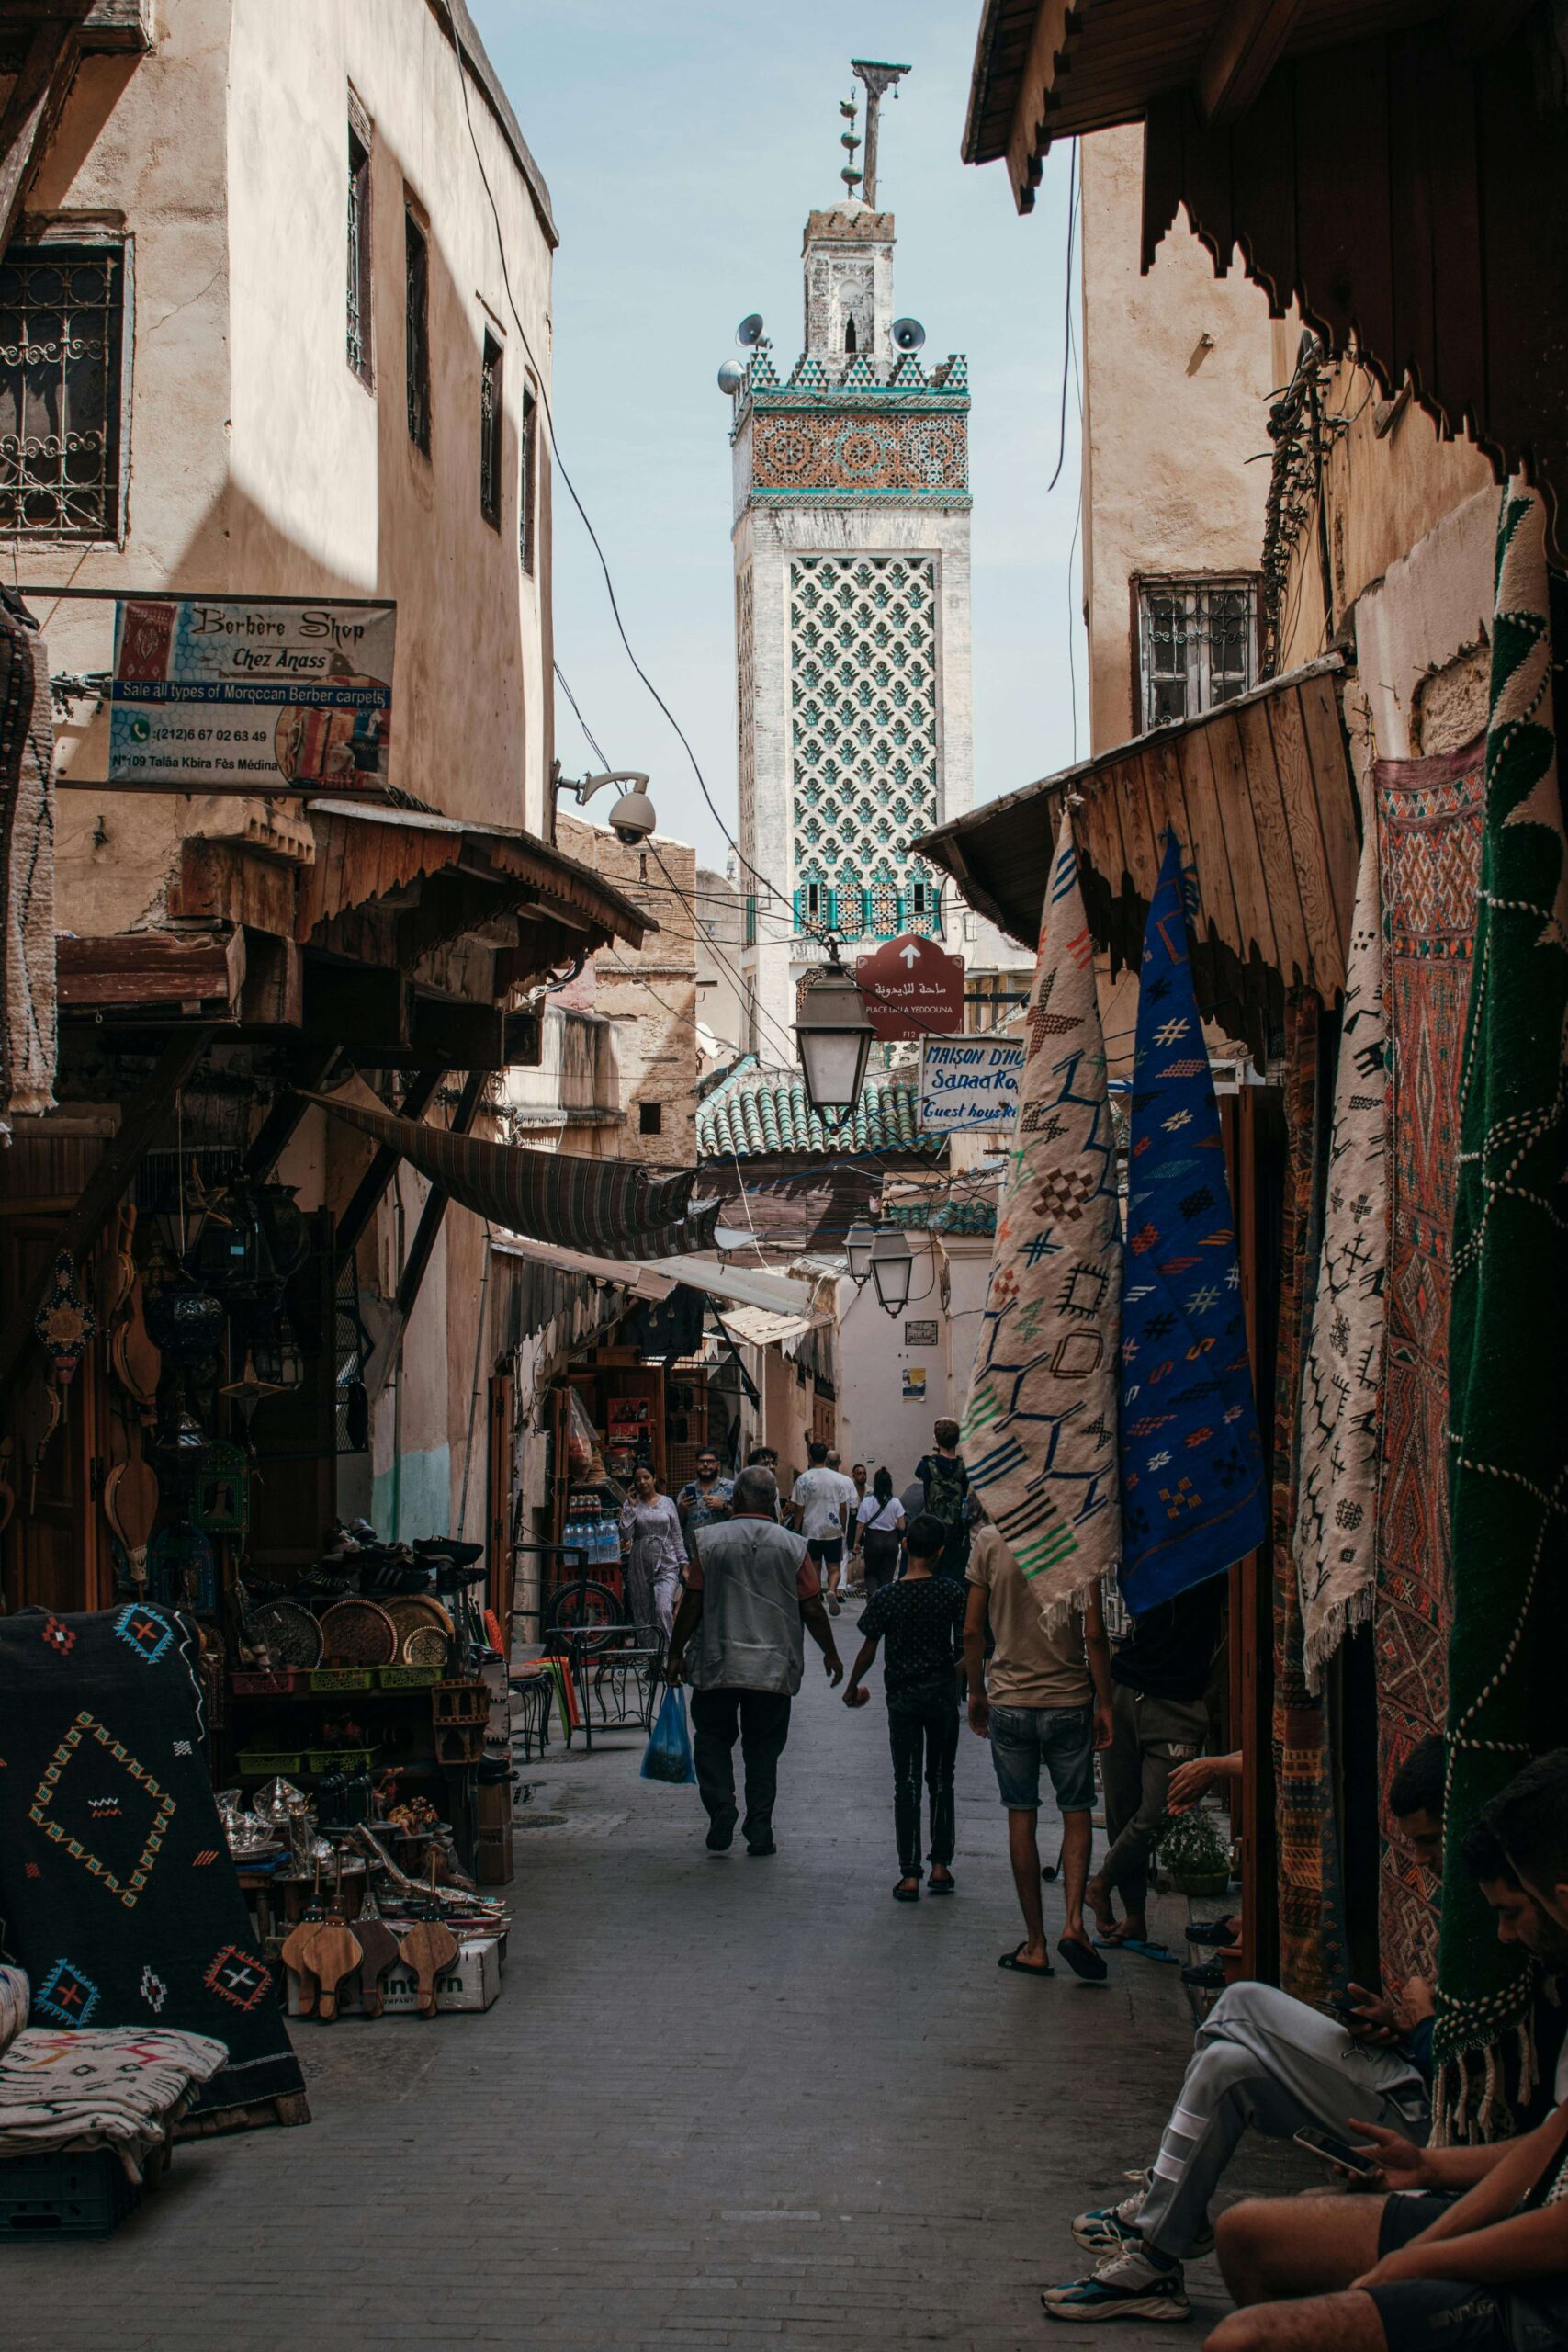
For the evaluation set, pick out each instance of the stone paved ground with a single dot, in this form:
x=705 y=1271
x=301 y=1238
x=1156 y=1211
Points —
x=720 y=2102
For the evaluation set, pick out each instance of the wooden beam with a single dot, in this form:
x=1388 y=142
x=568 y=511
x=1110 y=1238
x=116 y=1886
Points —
x=421 y=1248
x=104 y=27
x=1478 y=24
x=417 y=1097
x=271 y=1138
x=33 y=107
x=146 y=1118
x=1247 y=43
x=131 y=970
x=464 y=1036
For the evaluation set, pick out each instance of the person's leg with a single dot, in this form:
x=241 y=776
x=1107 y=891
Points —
x=1024 y=1852
x=1170 y=1732
x=666 y=1591
x=1270 y=2248
x=1015 y=1757
x=714 y=1722
x=1122 y=1777
x=1066 y=1738
x=904 y=1733
x=941 y=1755
x=764 y=1728
x=1349 y=2323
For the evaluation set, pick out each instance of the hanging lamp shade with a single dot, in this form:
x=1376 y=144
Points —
x=891 y=1266
x=834 y=1037
x=859 y=1244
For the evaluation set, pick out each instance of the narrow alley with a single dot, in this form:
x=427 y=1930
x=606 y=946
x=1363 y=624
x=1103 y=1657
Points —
x=722 y=2102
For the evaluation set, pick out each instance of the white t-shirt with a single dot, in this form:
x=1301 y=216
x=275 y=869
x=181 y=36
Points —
x=820 y=1494
x=881 y=1518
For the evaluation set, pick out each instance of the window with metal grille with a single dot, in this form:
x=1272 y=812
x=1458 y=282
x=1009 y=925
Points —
x=527 y=479
x=62 y=396
x=416 y=329
x=1197 y=645
x=489 y=432
x=651 y=1118
x=359 y=344
x=992 y=997
x=925 y=907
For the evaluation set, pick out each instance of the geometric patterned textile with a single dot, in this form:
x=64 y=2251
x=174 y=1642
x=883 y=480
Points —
x=1313 y=1959
x=1194 y=1497
x=110 y=1896
x=1508 y=1459
x=1040 y=1426
x=605 y=1205
x=1334 y=1547
x=1428 y=824
x=862 y=639
x=28 y=1000
x=92 y=2089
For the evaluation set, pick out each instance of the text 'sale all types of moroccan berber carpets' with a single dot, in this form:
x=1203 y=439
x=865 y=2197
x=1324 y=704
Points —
x=1313 y=1958
x=1509 y=1458
x=1334 y=1546
x=1428 y=815
x=28 y=990
x=1194 y=1492
x=611 y=1207
x=1040 y=1426
x=117 y=1895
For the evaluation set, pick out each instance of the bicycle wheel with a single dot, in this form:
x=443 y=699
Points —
x=580 y=1606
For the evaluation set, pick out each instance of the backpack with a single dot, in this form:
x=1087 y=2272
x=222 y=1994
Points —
x=944 y=1488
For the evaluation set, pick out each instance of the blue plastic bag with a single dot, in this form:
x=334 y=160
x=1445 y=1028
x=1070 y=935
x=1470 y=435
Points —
x=668 y=1755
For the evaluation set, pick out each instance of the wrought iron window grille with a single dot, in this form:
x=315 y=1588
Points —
x=528 y=480
x=489 y=432
x=416 y=330
x=359 y=347
x=62 y=390
x=1197 y=645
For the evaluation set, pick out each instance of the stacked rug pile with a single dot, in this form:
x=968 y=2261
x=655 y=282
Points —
x=87 y=2088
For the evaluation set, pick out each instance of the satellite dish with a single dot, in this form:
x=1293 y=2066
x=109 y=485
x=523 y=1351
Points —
x=909 y=334
x=731 y=376
x=750 y=332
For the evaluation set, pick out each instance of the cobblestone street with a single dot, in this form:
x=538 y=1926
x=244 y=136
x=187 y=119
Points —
x=719 y=2102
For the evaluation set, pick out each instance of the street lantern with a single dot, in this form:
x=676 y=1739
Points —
x=834 y=1037
x=859 y=1244
x=891 y=1266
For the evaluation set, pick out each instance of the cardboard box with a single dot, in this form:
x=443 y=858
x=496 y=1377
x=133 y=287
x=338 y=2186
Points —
x=473 y=1982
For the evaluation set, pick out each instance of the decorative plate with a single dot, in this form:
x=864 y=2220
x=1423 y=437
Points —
x=426 y=1646
x=289 y=1632
x=357 y=1633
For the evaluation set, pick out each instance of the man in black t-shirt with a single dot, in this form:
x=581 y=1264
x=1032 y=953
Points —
x=921 y=1618
x=1159 y=1674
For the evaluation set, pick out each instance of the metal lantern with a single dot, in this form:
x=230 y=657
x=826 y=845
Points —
x=891 y=1266
x=859 y=1244
x=834 y=1039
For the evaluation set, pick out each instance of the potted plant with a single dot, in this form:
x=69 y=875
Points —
x=1194 y=1855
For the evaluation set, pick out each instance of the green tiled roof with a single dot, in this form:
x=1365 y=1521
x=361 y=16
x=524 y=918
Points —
x=752 y=1112
x=947 y=1217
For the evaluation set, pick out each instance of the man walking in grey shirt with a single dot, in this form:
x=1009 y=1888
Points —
x=751 y=1596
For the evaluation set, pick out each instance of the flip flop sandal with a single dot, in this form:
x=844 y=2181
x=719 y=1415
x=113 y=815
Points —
x=902 y=1893
x=941 y=1886
x=1144 y=1952
x=1083 y=1960
x=1011 y=1960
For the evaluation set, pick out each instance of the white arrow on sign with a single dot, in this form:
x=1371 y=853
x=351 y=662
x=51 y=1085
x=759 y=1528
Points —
x=908 y=955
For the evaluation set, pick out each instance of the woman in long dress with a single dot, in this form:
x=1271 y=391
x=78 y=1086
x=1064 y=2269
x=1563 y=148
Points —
x=653 y=1553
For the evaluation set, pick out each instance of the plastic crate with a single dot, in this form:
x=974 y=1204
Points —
x=64 y=2195
x=339 y=1759
x=279 y=1685
x=266 y=1764
x=341 y=1678
x=408 y=1678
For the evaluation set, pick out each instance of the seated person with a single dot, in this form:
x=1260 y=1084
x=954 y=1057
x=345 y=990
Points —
x=1470 y=2250
x=1277 y=2064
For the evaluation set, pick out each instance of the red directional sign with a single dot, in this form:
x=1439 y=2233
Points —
x=912 y=988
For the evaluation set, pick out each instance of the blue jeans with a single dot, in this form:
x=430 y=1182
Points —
x=1062 y=1738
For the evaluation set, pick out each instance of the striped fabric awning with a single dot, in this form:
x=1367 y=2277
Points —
x=609 y=1206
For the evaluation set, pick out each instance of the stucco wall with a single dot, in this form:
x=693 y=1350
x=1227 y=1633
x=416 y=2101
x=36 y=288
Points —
x=877 y=1423
x=1169 y=422
x=648 y=993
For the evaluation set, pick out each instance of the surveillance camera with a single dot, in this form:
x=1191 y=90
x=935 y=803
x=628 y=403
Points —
x=633 y=819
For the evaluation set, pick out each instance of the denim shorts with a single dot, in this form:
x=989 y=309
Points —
x=1060 y=1738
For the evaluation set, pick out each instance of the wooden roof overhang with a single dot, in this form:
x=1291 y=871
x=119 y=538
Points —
x=1398 y=169
x=1261 y=796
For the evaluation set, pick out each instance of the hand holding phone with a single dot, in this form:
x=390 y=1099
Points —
x=1339 y=2155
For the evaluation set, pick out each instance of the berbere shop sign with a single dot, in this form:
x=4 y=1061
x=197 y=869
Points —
x=912 y=988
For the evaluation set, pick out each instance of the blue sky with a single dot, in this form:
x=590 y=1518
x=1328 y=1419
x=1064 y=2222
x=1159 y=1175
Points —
x=684 y=148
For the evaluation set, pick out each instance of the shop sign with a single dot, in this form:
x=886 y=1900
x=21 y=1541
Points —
x=968 y=1082
x=260 y=694
x=911 y=988
x=919 y=1335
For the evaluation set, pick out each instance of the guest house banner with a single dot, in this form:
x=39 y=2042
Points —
x=260 y=694
x=969 y=1083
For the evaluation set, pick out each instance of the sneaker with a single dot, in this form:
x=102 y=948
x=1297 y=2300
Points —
x=1107 y=2229
x=1131 y=2285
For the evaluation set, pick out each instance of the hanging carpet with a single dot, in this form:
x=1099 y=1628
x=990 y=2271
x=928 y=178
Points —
x=1334 y=1545
x=609 y=1207
x=1194 y=1495
x=1428 y=820
x=28 y=995
x=1040 y=1425
x=117 y=1893
x=1508 y=1432
x=1312 y=1955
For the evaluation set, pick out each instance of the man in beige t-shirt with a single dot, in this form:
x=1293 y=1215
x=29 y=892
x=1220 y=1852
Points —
x=1042 y=1696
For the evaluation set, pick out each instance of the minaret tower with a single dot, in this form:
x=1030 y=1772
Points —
x=851 y=608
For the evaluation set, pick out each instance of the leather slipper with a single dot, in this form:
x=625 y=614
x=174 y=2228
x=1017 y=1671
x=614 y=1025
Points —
x=1021 y=1967
x=1083 y=1960
x=902 y=1893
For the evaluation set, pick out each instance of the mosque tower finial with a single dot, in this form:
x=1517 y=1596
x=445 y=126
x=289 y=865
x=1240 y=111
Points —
x=879 y=80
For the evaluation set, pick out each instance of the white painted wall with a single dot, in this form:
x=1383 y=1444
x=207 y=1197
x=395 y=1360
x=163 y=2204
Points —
x=877 y=1423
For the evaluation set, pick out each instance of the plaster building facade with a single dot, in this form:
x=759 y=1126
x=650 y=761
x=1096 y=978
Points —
x=852 y=632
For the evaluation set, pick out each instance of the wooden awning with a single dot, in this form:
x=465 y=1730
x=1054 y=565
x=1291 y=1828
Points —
x=1393 y=168
x=1260 y=794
